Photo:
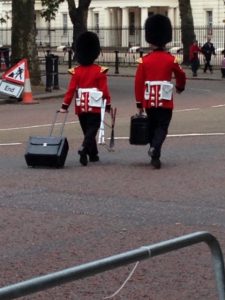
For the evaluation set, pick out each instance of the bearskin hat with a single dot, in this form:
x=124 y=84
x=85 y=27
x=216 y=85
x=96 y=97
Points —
x=87 y=48
x=158 y=30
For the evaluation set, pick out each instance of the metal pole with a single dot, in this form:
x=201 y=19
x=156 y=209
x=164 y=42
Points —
x=70 y=52
x=89 y=269
x=191 y=239
x=116 y=62
x=56 y=73
x=49 y=71
x=54 y=279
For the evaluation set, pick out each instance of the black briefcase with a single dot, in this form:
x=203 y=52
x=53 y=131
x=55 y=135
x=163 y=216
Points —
x=139 y=130
x=49 y=151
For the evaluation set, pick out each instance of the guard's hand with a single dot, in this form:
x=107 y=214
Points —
x=108 y=108
x=178 y=91
x=62 y=110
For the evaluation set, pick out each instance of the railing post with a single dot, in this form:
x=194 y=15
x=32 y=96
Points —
x=70 y=53
x=116 y=62
x=52 y=74
x=56 y=73
x=49 y=71
x=4 y=58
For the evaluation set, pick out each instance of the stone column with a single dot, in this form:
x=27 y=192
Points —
x=144 y=16
x=114 y=31
x=125 y=26
x=107 y=27
x=171 y=15
x=90 y=23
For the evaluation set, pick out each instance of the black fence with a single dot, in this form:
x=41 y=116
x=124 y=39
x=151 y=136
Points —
x=129 y=43
x=116 y=37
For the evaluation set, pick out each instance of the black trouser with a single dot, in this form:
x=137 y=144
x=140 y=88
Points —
x=90 y=123
x=195 y=66
x=159 y=120
x=207 y=64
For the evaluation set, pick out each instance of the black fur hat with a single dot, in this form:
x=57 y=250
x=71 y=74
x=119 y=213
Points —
x=87 y=48
x=158 y=30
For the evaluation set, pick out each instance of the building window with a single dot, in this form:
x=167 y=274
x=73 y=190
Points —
x=65 y=24
x=96 y=22
x=131 y=23
x=209 y=21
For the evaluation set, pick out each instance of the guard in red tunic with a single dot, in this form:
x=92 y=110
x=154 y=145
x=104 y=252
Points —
x=89 y=85
x=154 y=86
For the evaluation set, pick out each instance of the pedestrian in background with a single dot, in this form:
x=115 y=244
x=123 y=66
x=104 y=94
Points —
x=208 y=50
x=89 y=86
x=194 y=51
x=153 y=86
x=223 y=64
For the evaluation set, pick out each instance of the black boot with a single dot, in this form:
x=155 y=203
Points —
x=93 y=158
x=156 y=163
x=83 y=157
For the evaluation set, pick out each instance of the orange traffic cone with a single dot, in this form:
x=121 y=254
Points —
x=27 y=93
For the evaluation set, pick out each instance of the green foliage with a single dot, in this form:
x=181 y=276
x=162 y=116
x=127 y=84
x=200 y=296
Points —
x=51 y=8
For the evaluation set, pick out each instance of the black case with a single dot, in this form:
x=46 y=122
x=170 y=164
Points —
x=139 y=130
x=49 y=151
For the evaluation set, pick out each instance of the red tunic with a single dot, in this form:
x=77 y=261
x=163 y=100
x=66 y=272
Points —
x=157 y=66
x=92 y=76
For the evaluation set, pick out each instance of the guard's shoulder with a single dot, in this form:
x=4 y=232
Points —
x=103 y=69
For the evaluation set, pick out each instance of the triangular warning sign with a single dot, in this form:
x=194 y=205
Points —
x=16 y=73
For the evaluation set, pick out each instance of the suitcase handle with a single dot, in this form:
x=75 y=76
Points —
x=54 y=121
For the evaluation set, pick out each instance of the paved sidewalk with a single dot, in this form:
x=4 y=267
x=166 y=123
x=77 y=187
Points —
x=40 y=93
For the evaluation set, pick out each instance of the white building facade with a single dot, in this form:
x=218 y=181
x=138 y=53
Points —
x=119 y=22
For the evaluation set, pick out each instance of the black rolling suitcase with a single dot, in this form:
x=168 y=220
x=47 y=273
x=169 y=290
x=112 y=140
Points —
x=139 y=130
x=49 y=151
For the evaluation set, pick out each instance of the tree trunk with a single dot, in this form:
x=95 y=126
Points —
x=24 y=37
x=187 y=28
x=80 y=24
x=78 y=16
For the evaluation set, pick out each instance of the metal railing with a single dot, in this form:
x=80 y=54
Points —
x=115 y=37
x=89 y=269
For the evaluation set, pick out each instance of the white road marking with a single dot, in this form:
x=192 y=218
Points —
x=34 y=126
x=10 y=144
x=196 y=134
x=201 y=90
x=169 y=135
x=181 y=135
x=186 y=109
x=122 y=137
x=215 y=106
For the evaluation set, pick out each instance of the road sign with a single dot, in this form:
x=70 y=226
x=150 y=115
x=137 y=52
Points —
x=16 y=74
x=10 y=89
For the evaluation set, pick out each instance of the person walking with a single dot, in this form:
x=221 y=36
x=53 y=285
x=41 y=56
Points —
x=89 y=85
x=153 y=83
x=194 y=50
x=208 y=50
